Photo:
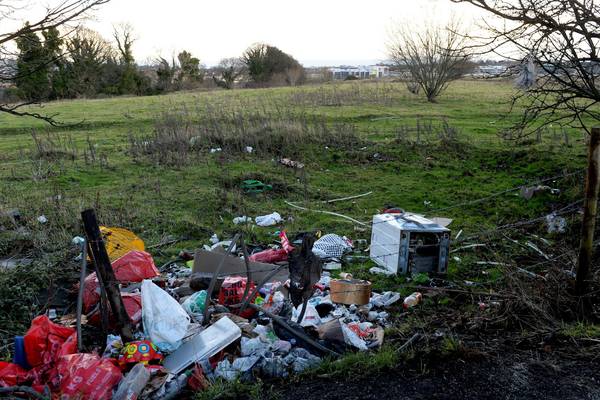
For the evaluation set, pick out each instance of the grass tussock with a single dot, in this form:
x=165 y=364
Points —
x=181 y=136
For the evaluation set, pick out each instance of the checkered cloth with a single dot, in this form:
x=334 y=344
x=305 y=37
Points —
x=331 y=246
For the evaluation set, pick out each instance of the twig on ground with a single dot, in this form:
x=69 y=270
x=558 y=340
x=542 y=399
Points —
x=325 y=212
x=348 y=198
x=410 y=341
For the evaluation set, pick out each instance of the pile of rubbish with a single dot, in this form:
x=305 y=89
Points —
x=226 y=312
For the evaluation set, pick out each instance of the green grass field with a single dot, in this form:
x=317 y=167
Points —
x=89 y=163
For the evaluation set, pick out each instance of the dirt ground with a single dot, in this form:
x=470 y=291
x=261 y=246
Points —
x=508 y=377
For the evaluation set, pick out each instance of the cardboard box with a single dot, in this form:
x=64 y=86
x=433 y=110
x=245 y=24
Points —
x=350 y=291
x=206 y=263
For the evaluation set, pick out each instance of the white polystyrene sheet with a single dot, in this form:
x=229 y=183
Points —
x=204 y=345
x=407 y=222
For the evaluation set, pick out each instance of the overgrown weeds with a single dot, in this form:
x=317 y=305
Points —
x=428 y=131
x=349 y=94
x=181 y=135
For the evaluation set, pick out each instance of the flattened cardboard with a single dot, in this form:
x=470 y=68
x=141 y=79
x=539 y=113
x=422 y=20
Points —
x=206 y=263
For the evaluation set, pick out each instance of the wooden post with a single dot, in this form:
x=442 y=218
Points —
x=592 y=184
x=106 y=275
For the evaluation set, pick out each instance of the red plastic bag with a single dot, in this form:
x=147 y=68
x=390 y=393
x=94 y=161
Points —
x=232 y=292
x=87 y=376
x=133 y=306
x=44 y=341
x=134 y=266
x=274 y=255
x=269 y=256
x=12 y=374
x=285 y=242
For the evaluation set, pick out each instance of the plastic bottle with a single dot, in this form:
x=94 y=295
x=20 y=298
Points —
x=412 y=300
x=132 y=385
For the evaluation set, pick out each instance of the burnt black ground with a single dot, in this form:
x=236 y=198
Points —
x=506 y=378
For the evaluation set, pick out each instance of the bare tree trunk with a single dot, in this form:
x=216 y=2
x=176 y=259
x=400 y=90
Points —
x=592 y=185
x=106 y=274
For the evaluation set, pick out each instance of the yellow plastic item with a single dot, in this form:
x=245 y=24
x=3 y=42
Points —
x=120 y=241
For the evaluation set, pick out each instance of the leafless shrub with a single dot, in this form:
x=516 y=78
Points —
x=52 y=147
x=428 y=131
x=433 y=57
x=413 y=87
x=557 y=43
x=347 y=94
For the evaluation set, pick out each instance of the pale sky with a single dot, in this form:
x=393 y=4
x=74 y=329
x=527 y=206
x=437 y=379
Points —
x=316 y=32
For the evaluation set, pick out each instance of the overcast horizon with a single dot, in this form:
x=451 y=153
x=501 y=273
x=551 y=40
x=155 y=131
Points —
x=317 y=34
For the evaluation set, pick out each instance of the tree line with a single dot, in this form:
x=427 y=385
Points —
x=50 y=65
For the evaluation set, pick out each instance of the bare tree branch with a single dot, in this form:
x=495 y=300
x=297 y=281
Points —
x=561 y=37
x=60 y=14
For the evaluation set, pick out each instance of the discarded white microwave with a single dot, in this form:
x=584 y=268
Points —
x=409 y=243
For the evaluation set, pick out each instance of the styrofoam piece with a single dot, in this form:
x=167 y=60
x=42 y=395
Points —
x=204 y=345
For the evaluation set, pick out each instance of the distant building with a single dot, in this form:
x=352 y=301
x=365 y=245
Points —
x=380 y=71
x=489 y=70
x=360 y=72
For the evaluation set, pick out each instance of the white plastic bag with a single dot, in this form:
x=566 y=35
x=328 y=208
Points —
x=352 y=339
x=311 y=316
x=165 y=321
x=268 y=220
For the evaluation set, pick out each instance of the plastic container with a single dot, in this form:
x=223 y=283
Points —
x=132 y=385
x=20 y=357
x=412 y=300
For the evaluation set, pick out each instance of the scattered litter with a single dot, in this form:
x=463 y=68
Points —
x=349 y=197
x=249 y=149
x=165 y=321
x=527 y=192
x=133 y=383
x=87 y=376
x=380 y=271
x=42 y=219
x=555 y=223
x=242 y=220
x=311 y=316
x=204 y=345
x=385 y=299
x=331 y=246
x=253 y=186
x=194 y=305
x=291 y=163
x=350 y=291
x=119 y=241
x=332 y=266
x=268 y=220
x=215 y=150
x=441 y=221
x=412 y=300
x=183 y=338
